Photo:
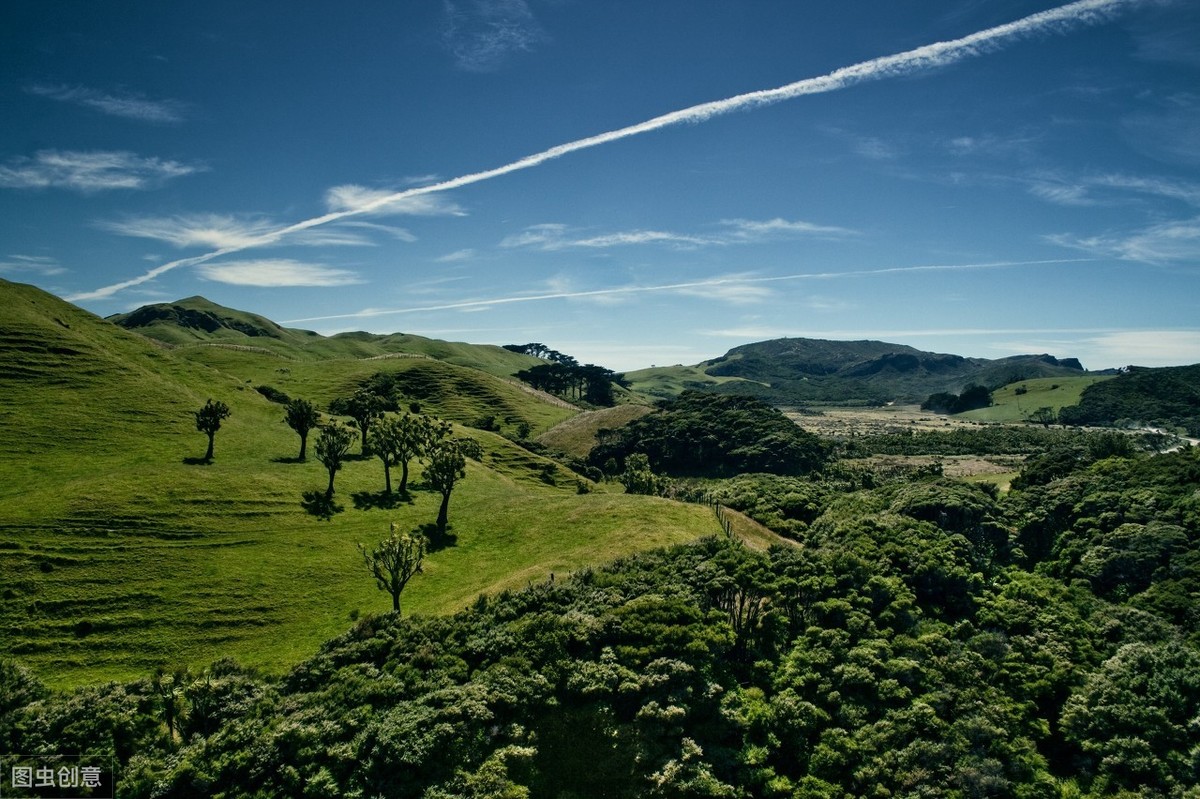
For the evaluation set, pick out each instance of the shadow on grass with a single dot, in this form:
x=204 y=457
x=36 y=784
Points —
x=366 y=500
x=438 y=540
x=289 y=460
x=315 y=503
x=198 y=461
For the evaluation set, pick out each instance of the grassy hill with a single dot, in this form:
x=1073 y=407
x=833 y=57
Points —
x=197 y=326
x=1016 y=401
x=576 y=436
x=800 y=371
x=120 y=552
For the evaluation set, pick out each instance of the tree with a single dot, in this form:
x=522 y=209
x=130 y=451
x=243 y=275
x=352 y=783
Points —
x=333 y=443
x=302 y=416
x=394 y=562
x=637 y=477
x=1045 y=416
x=397 y=440
x=208 y=420
x=447 y=465
x=363 y=407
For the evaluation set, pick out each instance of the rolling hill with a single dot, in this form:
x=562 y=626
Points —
x=121 y=551
x=800 y=371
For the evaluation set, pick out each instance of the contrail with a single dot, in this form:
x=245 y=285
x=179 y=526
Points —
x=696 y=284
x=927 y=57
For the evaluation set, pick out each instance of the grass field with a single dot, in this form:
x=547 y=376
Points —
x=670 y=381
x=1016 y=401
x=120 y=551
x=577 y=435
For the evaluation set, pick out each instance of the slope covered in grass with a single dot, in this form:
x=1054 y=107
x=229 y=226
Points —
x=1017 y=401
x=121 y=551
x=198 y=323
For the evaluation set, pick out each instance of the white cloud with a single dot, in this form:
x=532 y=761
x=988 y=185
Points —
x=553 y=236
x=219 y=231
x=457 y=256
x=1145 y=348
x=33 y=264
x=1110 y=188
x=1162 y=243
x=229 y=233
x=119 y=104
x=733 y=293
x=276 y=273
x=403 y=234
x=99 y=170
x=1061 y=193
x=748 y=229
x=379 y=202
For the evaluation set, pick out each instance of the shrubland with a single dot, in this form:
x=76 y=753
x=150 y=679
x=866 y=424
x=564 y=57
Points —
x=929 y=638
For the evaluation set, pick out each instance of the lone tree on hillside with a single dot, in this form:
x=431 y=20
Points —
x=333 y=443
x=302 y=416
x=447 y=465
x=208 y=420
x=1045 y=416
x=394 y=562
x=363 y=407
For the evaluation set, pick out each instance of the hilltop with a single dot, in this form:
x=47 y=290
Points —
x=197 y=323
x=799 y=371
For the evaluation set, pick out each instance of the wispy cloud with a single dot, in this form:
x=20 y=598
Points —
x=233 y=233
x=709 y=287
x=1162 y=243
x=277 y=273
x=932 y=56
x=553 y=236
x=1062 y=192
x=1145 y=347
x=352 y=199
x=753 y=230
x=31 y=264
x=1110 y=188
x=482 y=35
x=400 y=233
x=457 y=256
x=87 y=172
x=221 y=231
x=991 y=144
x=118 y=104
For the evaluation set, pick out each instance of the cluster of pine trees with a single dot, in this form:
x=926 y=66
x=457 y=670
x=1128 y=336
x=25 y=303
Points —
x=564 y=376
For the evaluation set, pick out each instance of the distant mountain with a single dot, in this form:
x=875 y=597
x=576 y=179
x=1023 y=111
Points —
x=803 y=371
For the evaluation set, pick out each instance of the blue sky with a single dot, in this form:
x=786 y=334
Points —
x=982 y=177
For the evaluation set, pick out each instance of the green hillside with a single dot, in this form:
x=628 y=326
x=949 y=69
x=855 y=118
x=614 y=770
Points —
x=196 y=324
x=1017 y=401
x=121 y=551
x=802 y=371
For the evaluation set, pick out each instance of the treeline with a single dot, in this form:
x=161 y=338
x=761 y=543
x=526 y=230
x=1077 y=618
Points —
x=1167 y=397
x=703 y=434
x=972 y=398
x=929 y=638
x=981 y=440
x=566 y=377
